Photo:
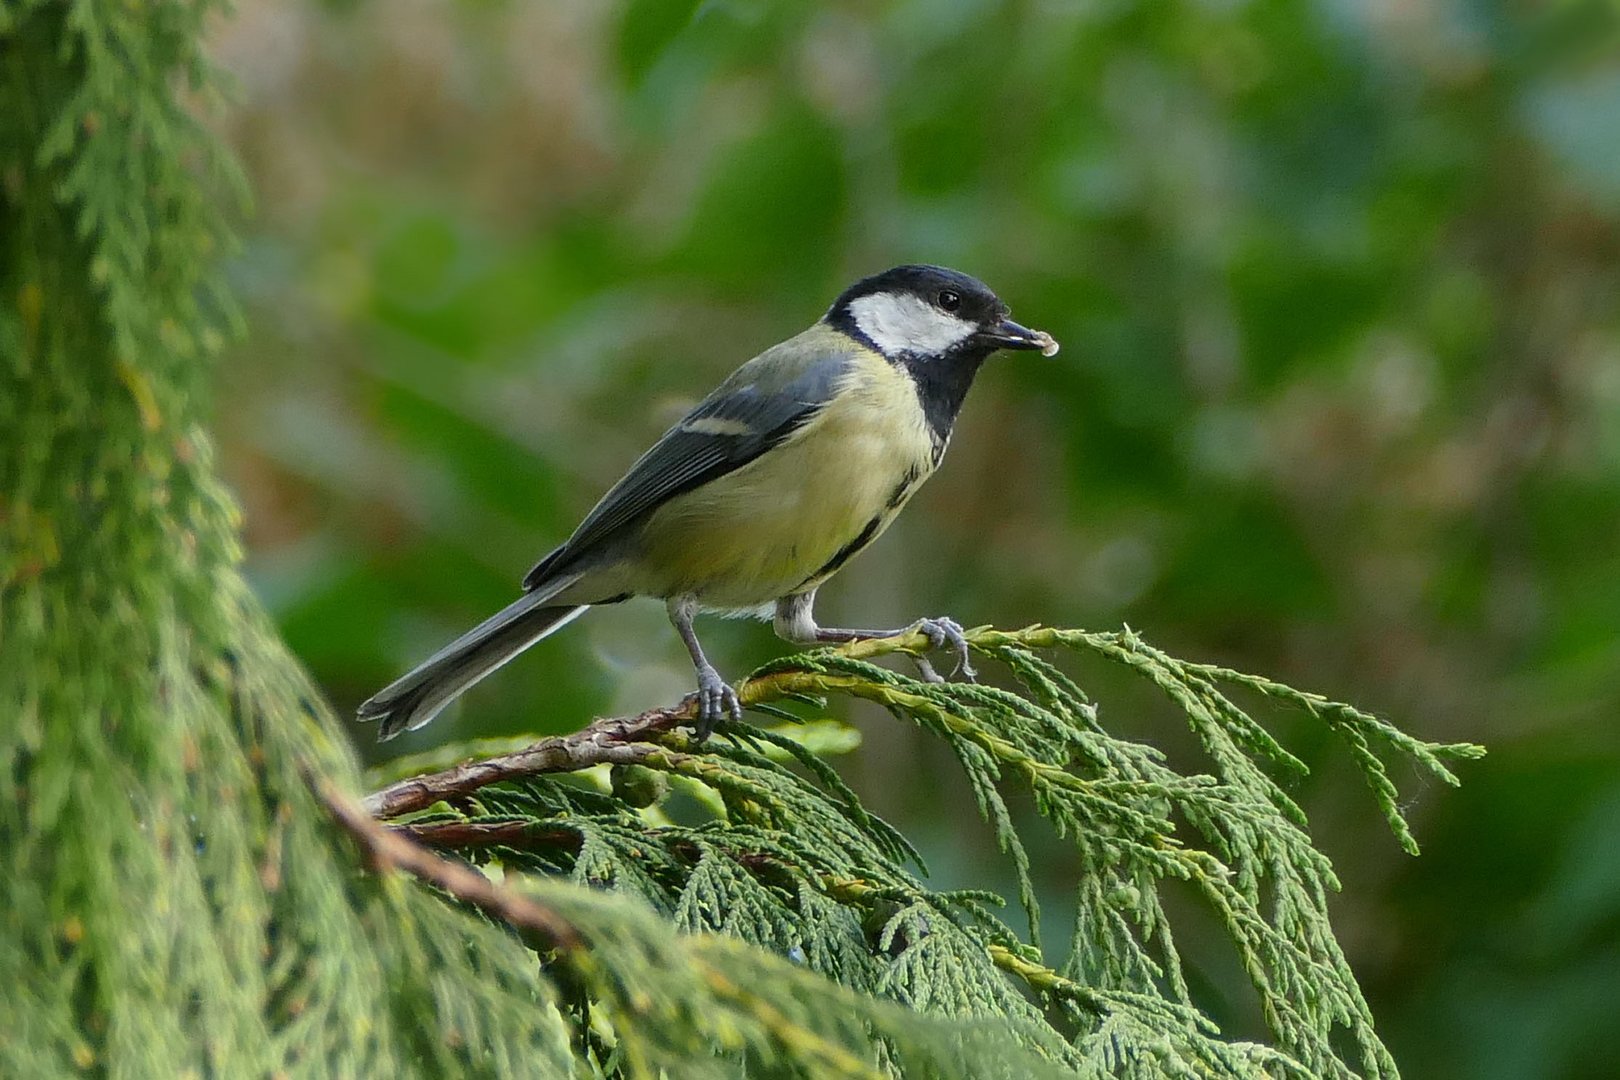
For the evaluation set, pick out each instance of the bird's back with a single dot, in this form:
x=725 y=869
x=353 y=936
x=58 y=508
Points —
x=781 y=524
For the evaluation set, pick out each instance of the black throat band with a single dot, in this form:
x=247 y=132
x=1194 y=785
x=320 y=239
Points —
x=942 y=384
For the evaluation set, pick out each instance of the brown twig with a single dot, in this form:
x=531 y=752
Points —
x=616 y=740
x=481 y=834
x=388 y=848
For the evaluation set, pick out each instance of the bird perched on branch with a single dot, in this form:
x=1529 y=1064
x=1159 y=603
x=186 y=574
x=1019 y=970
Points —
x=762 y=492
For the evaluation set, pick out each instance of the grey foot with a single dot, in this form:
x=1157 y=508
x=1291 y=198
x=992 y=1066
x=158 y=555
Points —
x=716 y=701
x=945 y=633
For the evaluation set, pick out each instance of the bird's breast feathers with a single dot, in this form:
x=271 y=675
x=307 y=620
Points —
x=789 y=519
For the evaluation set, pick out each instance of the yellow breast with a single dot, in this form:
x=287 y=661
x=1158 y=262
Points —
x=787 y=520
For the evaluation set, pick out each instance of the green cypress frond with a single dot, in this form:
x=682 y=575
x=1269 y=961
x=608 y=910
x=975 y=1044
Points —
x=792 y=862
x=703 y=1005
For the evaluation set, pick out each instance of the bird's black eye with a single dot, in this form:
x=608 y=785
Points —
x=949 y=301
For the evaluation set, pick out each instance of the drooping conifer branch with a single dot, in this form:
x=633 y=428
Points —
x=794 y=862
x=388 y=849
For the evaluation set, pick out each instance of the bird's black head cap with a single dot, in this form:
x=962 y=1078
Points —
x=949 y=292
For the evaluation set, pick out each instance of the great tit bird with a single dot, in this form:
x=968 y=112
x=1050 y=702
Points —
x=794 y=464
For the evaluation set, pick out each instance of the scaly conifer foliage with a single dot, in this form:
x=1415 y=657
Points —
x=187 y=889
x=789 y=859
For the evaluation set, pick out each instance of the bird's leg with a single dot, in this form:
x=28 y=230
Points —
x=715 y=697
x=796 y=622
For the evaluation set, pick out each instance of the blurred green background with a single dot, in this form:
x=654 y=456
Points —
x=1338 y=285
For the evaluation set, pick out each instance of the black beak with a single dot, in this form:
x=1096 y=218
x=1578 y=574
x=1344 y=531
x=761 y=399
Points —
x=1009 y=335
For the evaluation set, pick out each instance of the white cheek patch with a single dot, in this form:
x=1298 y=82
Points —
x=899 y=323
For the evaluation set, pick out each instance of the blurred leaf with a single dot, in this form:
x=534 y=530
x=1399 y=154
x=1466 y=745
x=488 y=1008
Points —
x=647 y=30
x=772 y=208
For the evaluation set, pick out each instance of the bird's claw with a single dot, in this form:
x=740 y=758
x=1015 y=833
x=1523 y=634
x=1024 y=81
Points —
x=945 y=633
x=716 y=701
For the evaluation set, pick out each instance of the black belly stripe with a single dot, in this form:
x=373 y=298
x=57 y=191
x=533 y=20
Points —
x=902 y=490
x=847 y=552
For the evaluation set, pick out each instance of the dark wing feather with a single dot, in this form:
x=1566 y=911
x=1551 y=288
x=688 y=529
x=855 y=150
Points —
x=765 y=401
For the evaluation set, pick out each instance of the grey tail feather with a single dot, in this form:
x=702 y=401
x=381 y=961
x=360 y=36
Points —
x=420 y=694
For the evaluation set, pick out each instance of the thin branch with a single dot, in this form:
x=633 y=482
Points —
x=482 y=834
x=388 y=848
x=615 y=740
x=1041 y=978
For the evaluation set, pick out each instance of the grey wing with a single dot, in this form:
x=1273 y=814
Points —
x=762 y=403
